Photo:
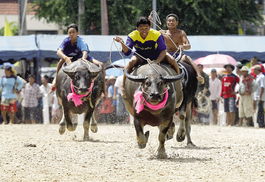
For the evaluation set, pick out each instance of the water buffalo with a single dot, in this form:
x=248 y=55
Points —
x=79 y=87
x=190 y=83
x=151 y=95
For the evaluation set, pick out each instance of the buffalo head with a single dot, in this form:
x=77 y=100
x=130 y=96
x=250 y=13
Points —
x=82 y=74
x=154 y=85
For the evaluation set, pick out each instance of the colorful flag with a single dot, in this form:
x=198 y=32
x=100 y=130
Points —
x=7 y=29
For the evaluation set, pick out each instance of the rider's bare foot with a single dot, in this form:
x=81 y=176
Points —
x=53 y=88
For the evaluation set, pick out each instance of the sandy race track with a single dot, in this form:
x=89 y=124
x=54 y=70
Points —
x=39 y=153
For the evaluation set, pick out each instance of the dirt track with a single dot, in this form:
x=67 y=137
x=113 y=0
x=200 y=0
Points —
x=39 y=153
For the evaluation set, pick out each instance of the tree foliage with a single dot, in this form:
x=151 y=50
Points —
x=198 y=17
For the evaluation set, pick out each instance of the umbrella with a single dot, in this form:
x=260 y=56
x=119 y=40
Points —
x=216 y=61
x=114 y=72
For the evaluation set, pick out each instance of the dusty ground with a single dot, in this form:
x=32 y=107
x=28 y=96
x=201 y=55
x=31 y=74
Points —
x=39 y=153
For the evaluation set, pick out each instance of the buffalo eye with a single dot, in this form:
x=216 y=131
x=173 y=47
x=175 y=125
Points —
x=77 y=77
x=160 y=83
x=147 y=84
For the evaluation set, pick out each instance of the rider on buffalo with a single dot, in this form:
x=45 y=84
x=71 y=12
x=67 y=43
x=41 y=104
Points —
x=73 y=48
x=148 y=43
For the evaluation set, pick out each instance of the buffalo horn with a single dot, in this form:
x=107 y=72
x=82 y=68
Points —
x=173 y=78
x=135 y=78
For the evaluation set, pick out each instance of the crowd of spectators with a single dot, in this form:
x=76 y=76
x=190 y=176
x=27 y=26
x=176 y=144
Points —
x=240 y=89
x=23 y=101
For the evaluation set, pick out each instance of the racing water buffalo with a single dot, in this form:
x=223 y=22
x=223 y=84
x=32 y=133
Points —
x=152 y=92
x=79 y=87
x=190 y=83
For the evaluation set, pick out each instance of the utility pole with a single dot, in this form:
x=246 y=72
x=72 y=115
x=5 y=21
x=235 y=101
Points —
x=104 y=18
x=154 y=9
x=22 y=16
x=81 y=12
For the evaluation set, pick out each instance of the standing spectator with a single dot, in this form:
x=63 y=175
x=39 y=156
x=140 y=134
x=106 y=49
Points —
x=246 y=86
x=205 y=85
x=47 y=96
x=10 y=85
x=56 y=110
x=229 y=82
x=202 y=95
x=238 y=69
x=31 y=94
x=259 y=96
x=120 y=107
x=254 y=61
x=215 y=90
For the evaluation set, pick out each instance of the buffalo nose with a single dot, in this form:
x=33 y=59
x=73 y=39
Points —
x=155 y=95
x=83 y=89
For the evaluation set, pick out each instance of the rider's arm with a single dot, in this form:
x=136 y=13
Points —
x=63 y=56
x=161 y=46
x=125 y=49
x=161 y=56
x=84 y=55
x=186 y=44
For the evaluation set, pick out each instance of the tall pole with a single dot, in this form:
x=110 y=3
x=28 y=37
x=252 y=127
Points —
x=81 y=12
x=154 y=9
x=22 y=17
x=104 y=18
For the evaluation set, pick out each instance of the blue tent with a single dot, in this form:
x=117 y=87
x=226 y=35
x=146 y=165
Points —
x=104 y=49
x=18 y=47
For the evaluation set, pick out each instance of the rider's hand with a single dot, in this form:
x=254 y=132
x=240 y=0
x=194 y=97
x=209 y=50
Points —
x=150 y=18
x=118 y=39
x=67 y=60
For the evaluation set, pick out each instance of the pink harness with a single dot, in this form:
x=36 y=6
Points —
x=76 y=98
x=140 y=102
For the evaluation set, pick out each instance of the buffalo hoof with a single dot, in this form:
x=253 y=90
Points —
x=71 y=127
x=94 y=128
x=181 y=135
x=86 y=138
x=147 y=135
x=141 y=145
x=142 y=141
x=62 y=129
x=169 y=137
x=161 y=155
x=191 y=145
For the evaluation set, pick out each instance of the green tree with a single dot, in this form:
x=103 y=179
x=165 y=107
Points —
x=198 y=17
x=212 y=17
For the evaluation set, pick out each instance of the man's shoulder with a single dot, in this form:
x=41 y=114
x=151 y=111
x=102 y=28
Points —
x=66 y=40
x=133 y=35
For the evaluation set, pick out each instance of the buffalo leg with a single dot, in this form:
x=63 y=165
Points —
x=182 y=130
x=86 y=126
x=187 y=125
x=94 y=126
x=70 y=126
x=171 y=130
x=62 y=124
x=141 y=137
x=163 y=129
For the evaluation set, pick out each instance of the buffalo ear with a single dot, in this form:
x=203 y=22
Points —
x=69 y=70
